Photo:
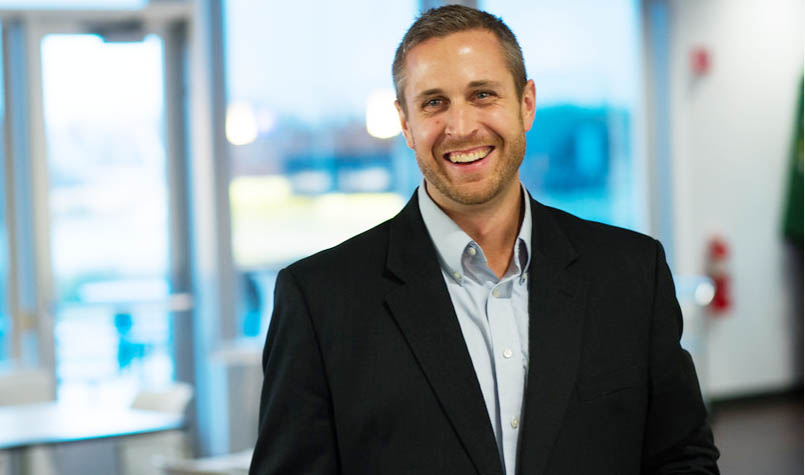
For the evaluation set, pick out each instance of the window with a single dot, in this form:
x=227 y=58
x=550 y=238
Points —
x=103 y=110
x=5 y=317
x=315 y=145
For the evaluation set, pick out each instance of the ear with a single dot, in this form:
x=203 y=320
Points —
x=528 y=105
x=404 y=125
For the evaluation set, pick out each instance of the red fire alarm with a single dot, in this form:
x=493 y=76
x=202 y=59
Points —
x=700 y=61
x=718 y=269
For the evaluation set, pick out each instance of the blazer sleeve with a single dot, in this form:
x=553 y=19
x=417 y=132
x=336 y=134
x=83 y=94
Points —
x=678 y=439
x=296 y=433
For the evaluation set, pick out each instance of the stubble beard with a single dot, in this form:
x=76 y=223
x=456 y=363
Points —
x=503 y=174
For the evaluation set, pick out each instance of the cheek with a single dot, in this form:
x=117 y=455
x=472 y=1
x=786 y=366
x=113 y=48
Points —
x=425 y=135
x=431 y=132
x=502 y=119
x=502 y=122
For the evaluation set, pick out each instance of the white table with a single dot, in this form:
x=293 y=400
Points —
x=53 y=423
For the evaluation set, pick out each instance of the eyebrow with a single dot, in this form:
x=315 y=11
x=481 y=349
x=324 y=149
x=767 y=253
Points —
x=430 y=92
x=484 y=83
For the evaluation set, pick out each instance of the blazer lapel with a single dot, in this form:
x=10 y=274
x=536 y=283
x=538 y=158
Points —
x=556 y=317
x=423 y=310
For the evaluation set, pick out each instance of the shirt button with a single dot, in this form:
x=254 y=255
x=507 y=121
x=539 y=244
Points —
x=496 y=292
x=507 y=353
x=471 y=251
x=457 y=275
x=515 y=423
x=523 y=278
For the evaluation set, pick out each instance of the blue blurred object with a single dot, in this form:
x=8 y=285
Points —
x=127 y=350
x=253 y=304
x=569 y=148
x=573 y=158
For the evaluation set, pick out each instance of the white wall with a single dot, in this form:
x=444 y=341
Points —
x=731 y=133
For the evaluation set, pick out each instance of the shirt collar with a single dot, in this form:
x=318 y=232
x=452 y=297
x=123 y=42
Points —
x=451 y=241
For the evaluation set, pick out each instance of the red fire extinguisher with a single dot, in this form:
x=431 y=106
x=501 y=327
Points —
x=718 y=270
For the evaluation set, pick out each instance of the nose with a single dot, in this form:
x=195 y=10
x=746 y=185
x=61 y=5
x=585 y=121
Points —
x=461 y=120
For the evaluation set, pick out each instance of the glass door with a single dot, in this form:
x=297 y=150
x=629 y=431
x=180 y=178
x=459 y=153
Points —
x=108 y=202
x=5 y=255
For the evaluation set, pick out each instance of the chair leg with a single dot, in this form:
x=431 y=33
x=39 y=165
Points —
x=38 y=460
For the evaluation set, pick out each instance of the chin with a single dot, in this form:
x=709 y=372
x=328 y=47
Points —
x=468 y=196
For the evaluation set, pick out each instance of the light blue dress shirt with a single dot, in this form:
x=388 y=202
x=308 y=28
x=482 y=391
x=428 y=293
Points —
x=493 y=315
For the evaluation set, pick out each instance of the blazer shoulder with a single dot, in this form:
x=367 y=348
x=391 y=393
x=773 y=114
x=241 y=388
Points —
x=604 y=240
x=611 y=258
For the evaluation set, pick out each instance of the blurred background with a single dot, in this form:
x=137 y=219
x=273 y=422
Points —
x=162 y=160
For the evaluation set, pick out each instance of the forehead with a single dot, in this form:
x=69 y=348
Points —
x=455 y=60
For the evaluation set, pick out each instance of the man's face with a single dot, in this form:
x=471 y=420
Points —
x=464 y=120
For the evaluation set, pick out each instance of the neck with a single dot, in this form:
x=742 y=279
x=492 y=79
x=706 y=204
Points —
x=494 y=225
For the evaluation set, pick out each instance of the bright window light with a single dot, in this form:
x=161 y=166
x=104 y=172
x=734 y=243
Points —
x=241 y=124
x=382 y=120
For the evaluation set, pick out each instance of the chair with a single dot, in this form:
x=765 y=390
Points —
x=5 y=463
x=173 y=399
x=28 y=386
x=139 y=454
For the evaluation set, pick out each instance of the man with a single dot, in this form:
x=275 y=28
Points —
x=478 y=331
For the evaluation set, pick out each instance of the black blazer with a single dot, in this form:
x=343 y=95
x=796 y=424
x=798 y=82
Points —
x=367 y=372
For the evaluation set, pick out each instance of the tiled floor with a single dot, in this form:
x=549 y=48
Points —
x=760 y=437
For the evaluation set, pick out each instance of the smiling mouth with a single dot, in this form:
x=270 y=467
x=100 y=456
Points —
x=468 y=156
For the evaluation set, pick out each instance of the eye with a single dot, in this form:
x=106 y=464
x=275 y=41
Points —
x=484 y=95
x=433 y=103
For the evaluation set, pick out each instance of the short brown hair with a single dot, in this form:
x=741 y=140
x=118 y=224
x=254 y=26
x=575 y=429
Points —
x=443 y=21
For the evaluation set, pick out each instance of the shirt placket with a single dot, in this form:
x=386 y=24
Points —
x=508 y=366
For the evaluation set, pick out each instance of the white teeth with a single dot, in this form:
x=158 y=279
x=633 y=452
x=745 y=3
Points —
x=458 y=157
